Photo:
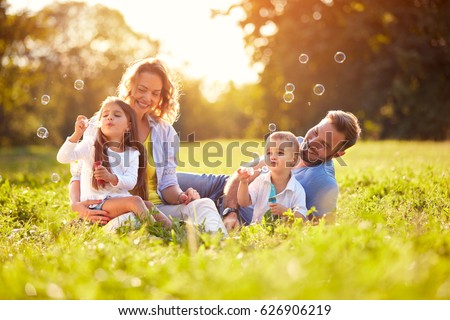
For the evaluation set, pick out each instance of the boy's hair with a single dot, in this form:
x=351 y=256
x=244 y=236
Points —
x=291 y=141
x=130 y=140
x=347 y=124
x=169 y=108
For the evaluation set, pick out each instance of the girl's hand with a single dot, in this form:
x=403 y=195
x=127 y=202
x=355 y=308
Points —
x=81 y=125
x=101 y=173
x=277 y=209
x=187 y=196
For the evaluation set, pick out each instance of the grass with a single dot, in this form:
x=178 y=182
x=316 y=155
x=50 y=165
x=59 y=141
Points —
x=391 y=240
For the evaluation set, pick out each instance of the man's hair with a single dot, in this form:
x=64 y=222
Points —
x=347 y=124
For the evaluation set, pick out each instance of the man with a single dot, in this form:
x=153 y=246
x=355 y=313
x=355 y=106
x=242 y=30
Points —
x=329 y=139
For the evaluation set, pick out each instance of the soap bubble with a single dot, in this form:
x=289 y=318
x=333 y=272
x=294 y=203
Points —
x=85 y=122
x=339 y=57
x=45 y=99
x=288 y=97
x=78 y=84
x=272 y=127
x=303 y=58
x=319 y=89
x=55 y=177
x=265 y=169
x=289 y=87
x=42 y=132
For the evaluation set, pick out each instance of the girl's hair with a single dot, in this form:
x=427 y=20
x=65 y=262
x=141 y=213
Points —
x=129 y=140
x=168 y=108
x=288 y=139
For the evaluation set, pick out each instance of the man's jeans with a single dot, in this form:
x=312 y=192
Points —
x=211 y=186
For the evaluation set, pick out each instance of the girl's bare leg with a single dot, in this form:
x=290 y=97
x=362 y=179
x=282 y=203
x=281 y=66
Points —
x=119 y=206
x=158 y=215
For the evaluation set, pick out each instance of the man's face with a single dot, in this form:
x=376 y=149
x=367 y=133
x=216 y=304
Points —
x=321 y=143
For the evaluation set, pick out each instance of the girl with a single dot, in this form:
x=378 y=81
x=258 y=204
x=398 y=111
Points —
x=278 y=190
x=113 y=163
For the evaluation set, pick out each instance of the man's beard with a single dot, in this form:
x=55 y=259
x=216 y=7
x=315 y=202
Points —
x=304 y=155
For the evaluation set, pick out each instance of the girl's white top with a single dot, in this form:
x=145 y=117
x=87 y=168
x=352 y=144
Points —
x=124 y=165
x=166 y=145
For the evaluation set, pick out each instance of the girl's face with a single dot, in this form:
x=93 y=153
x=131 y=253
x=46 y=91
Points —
x=146 y=94
x=114 y=122
x=280 y=155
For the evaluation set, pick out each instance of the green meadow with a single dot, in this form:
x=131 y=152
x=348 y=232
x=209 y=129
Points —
x=391 y=239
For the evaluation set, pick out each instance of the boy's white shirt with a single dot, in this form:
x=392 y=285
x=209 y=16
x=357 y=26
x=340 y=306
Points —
x=292 y=196
x=126 y=169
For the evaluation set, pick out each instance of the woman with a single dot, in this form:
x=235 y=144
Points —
x=147 y=86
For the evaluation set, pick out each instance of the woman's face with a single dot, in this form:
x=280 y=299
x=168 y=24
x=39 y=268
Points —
x=146 y=94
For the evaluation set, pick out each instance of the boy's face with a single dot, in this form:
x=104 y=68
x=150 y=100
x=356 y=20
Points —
x=280 y=155
x=321 y=143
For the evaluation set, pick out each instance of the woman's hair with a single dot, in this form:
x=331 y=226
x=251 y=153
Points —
x=347 y=124
x=168 y=108
x=288 y=139
x=130 y=140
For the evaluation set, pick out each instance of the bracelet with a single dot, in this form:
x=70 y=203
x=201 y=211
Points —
x=179 y=195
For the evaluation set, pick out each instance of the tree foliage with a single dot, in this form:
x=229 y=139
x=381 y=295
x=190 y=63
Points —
x=395 y=76
x=44 y=53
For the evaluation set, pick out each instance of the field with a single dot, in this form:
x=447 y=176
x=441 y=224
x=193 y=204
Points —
x=391 y=239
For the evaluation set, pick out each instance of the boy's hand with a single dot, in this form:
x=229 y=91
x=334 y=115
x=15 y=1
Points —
x=277 y=209
x=243 y=175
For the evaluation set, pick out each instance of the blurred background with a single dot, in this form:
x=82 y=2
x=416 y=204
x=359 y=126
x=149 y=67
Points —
x=243 y=64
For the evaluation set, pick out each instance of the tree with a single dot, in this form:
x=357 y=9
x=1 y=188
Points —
x=394 y=76
x=46 y=52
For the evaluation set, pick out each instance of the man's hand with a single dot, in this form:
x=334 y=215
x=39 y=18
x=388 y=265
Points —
x=231 y=221
x=96 y=216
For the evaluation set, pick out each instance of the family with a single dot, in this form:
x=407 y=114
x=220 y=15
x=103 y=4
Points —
x=127 y=164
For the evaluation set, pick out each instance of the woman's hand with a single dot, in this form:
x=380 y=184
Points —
x=85 y=213
x=187 y=196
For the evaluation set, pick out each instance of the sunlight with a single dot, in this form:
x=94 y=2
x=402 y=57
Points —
x=191 y=41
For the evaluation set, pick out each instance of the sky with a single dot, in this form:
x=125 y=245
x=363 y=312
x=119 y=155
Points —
x=190 y=40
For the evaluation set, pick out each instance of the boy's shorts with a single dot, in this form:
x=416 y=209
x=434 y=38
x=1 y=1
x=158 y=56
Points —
x=98 y=206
